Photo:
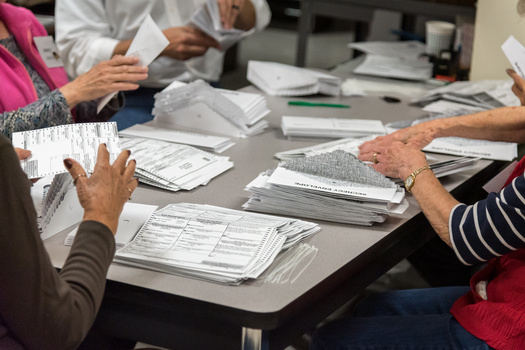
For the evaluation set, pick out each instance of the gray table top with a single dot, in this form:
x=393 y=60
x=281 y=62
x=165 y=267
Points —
x=338 y=244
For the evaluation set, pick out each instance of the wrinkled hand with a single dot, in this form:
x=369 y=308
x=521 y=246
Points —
x=416 y=136
x=120 y=73
x=398 y=160
x=187 y=42
x=519 y=85
x=104 y=193
x=229 y=10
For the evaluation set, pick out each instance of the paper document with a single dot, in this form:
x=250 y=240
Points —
x=131 y=219
x=211 y=243
x=147 y=44
x=395 y=67
x=330 y=127
x=50 y=146
x=515 y=52
x=206 y=142
x=404 y=49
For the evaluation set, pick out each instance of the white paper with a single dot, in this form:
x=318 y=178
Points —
x=497 y=182
x=515 y=52
x=330 y=127
x=395 y=67
x=48 y=51
x=147 y=44
x=50 y=146
x=133 y=216
x=404 y=49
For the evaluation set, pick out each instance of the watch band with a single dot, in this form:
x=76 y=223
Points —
x=409 y=182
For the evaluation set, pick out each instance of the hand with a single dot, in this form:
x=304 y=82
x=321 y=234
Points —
x=187 y=42
x=104 y=193
x=519 y=85
x=22 y=153
x=398 y=160
x=416 y=136
x=117 y=74
x=229 y=11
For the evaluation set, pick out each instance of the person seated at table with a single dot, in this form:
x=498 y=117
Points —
x=94 y=30
x=41 y=308
x=33 y=95
x=487 y=314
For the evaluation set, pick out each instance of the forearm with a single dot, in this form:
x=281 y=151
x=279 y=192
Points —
x=435 y=202
x=50 y=110
x=500 y=124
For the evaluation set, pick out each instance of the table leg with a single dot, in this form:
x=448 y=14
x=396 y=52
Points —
x=252 y=339
x=305 y=28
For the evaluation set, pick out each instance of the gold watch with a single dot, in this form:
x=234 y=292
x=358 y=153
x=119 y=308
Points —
x=409 y=182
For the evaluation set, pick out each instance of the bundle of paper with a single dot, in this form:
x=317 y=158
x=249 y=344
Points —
x=208 y=19
x=333 y=186
x=198 y=106
x=212 y=243
x=50 y=146
x=330 y=128
x=208 y=143
x=173 y=166
x=441 y=165
x=280 y=79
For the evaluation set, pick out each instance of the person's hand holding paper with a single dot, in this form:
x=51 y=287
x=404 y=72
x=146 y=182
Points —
x=147 y=44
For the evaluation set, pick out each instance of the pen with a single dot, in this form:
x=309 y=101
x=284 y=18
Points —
x=316 y=104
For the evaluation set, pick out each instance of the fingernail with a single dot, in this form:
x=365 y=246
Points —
x=105 y=145
x=68 y=163
x=129 y=152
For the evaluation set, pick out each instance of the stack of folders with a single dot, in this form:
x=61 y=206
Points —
x=173 y=166
x=330 y=128
x=212 y=243
x=208 y=19
x=278 y=79
x=199 y=107
x=333 y=186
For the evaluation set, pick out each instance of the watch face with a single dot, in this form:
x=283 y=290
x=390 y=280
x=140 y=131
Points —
x=409 y=181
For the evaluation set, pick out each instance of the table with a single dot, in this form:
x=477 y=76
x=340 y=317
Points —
x=362 y=11
x=183 y=313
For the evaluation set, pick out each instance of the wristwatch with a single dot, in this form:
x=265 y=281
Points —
x=409 y=182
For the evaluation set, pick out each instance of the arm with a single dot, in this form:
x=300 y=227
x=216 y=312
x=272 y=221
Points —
x=500 y=124
x=39 y=307
x=488 y=228
x=50 y=110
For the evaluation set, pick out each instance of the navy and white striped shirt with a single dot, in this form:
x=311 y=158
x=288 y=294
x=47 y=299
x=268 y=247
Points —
x=491 y=227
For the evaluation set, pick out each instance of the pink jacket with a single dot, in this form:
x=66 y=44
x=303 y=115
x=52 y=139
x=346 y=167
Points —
x=16 y=87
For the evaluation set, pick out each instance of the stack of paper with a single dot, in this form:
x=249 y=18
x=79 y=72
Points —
x=330 y=128
x=279 y=79
x=208 y=143
x=441 y=165
x=333 y=186
x=50 y=146
x=401 y=60
x=173 y=166
x=208 y=19
x=198 y=106
x=212 y=243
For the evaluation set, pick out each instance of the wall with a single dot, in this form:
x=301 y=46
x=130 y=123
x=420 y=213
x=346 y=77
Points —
x=496 y=20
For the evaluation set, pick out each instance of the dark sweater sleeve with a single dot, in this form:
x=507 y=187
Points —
x=39 y=307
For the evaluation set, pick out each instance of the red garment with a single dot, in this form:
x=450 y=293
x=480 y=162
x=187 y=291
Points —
x=518 y=170
x=500 y=320
x=16 y=87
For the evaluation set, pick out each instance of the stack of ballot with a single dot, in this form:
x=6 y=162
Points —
x=208 y=19
x=199 y=107
x=209 y=143
x=330 y=128
x=440 y=164
x=212 y=243
x=333 y=186
x=279 y=79
x=173 y=166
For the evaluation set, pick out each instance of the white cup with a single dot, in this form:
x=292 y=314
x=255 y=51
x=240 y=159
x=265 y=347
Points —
x=439 y=36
